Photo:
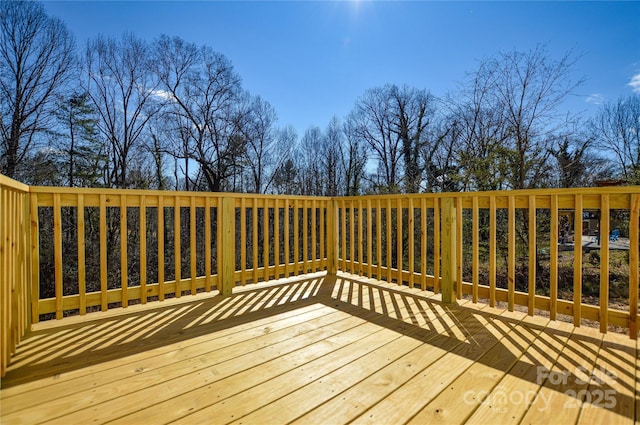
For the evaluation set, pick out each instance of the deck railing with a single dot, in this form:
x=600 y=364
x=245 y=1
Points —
x=72 y=251
x=410 y=239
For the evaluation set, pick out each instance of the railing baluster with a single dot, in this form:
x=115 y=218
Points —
x=475 y=260
x=379 y=239
x=633 y=265
x=369 y=236
x=265 y=240
x=192 y=246
x=436 y=245
x=57 y=252
x=343 y=233
x=254 y=243
x=423 y=242
x=492 y=250
x=305 y=236
x=389 y=259
x=124 y=269
x=360 y=245
x=459 y=257
x=399 y=235
x=296 y=237
x=287 y=251
x=276 y=238
x=35 y=258
x=352 y=239
x=207 y=244
x=410 y=218
x=322 y=231
x=577 y=261
x=160 y=247
x=553 y=265
x=511 y=273
x=314 y=229
x=531 y=272
x=82 y=284
x=604 y=262
x=177 y=256
x=143 y=250
x=243 y=241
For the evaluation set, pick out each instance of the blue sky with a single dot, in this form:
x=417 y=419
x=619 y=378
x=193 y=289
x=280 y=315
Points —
x=311 y=60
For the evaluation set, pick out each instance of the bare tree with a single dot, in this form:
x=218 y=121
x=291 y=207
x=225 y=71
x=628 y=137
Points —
x=330 y=157
x=262 y=152
x=205 y=98
x=124 y=92
x=36 y=57
x=616 y=129
x=393 y=122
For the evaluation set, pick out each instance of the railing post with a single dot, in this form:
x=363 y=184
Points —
x=226 y=252
x=449 y=241
x=332 y=237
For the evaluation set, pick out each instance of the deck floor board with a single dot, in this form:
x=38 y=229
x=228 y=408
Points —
x=312 y=350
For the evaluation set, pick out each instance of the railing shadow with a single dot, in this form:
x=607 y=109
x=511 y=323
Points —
x=467 y=331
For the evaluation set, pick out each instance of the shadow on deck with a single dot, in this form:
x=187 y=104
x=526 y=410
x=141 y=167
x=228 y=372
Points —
x=445 y=363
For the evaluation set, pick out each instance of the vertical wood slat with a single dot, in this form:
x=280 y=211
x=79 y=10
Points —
x=207 y=244
x=459 y=252
x=265 y=240
x=287 y=250
x=143 y=250
x=35 y=258
x=399 y=233
x=436 y=245
x=322 y=229
x=379 y=239
x=276 y=238
x=389 y=263
x=124 y=269
x=243 y=241
x=305 y=236
x=254 y=242
x=633 y=264
x=177 y=255
x=103 y=252
x=360 y=245
x=553 y=265
x=352 y=242
x=492 y=250
x=604 y=262
x=82 y=284
x=412 y=242
x=57 y=253
x=226 y=252
x=296 y=237
x=449 y=250
x=577 y=261
x=332 y=237
x=161 y=248
x=475 y=254
x=314 y=239
x=423 y=242
x=343 y=234
x=369 y=241
x=531 y=272
x=192 y=245
x=5 y=287
x=511 y=248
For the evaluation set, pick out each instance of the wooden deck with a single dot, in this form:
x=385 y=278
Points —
x=317 y=350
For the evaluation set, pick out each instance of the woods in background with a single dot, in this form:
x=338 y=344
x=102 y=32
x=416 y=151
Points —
x=168 y=114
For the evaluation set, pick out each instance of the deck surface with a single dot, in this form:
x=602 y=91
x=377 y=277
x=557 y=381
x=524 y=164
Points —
x=318 y=350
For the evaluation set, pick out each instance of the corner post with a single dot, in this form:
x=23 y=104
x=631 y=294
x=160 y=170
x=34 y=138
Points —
x=449 y=249
x=227 y=251
x=332 y=237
